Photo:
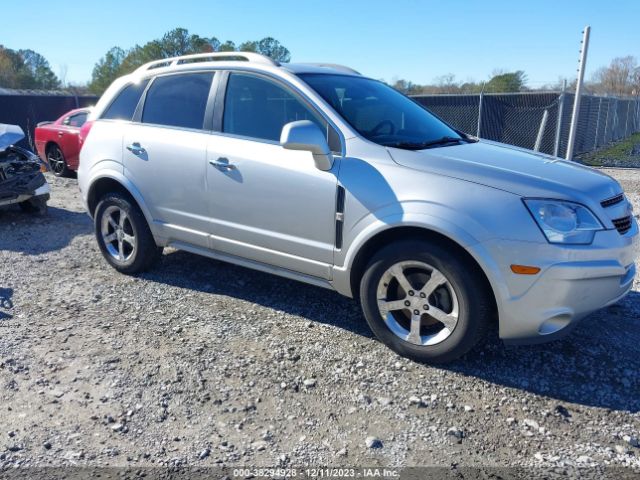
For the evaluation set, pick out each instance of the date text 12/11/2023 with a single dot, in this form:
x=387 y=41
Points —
x=324 y=472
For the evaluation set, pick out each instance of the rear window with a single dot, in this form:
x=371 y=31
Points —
x=178 y=100
x=124 y=106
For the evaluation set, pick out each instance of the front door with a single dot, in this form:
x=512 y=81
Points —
x=266 y=203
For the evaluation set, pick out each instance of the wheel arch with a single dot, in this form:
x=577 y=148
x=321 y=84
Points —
x=49 y=144
x=412 y=232
x=111 y=183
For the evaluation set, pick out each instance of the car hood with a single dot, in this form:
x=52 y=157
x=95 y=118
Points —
x=512 y=169
x=9 y=135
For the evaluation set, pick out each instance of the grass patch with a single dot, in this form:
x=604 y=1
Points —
x=617 y=154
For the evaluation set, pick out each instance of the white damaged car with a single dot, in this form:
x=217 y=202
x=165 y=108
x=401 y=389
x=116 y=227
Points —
x=21 y=173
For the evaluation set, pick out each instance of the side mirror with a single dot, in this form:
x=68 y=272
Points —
x=306 y=135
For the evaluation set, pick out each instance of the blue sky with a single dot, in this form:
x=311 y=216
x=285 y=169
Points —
x=411 y=39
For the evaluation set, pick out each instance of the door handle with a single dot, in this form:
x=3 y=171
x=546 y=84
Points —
x=136 y=149
x=222 y=163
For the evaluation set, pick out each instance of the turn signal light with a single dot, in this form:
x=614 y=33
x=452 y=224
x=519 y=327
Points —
x=524 y=270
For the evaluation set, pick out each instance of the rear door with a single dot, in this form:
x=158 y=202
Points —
x=165 y=155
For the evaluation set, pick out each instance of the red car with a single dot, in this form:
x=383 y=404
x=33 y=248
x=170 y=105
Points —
x=57 y=142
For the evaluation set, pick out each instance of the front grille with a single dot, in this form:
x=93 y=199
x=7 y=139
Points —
x=623 y=225
x=610 y=202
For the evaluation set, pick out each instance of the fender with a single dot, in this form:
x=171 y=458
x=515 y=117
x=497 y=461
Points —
x=471 y=242
x=465 y=230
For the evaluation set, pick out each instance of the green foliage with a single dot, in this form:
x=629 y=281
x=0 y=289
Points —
x=180 y=42
x=619 y=152
x=26 y=69
x=176 y=42
x=506 y=82
x=268 y=46
x=227 y=46
x=39 y=70
x=406 y=87
x=500 y=82
x=106 y=70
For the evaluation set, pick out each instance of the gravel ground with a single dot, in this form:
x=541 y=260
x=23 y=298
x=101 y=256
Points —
x=201 y=363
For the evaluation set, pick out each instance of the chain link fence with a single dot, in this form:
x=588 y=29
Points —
x=538 y=121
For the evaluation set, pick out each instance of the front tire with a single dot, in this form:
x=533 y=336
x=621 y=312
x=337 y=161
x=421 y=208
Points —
x=424 y=301
x=123 y=235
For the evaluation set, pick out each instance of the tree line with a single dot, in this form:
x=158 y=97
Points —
x=498 y=83
x=179 y=41
x=621 y=77
x=26 y=69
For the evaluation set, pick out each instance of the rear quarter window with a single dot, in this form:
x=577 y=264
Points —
x=124 y=105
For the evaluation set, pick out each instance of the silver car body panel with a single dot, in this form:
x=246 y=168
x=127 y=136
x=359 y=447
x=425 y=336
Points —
x=176 y=211
x=287 y=219
x=272 y=210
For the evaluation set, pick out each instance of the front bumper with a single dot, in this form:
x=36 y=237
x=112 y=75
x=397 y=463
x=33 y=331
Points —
x=35 y=187
x=574 y=282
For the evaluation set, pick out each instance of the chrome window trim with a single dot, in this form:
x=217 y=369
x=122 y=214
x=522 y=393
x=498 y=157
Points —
x=151 y=76
x=297 y=93
x=139 y=111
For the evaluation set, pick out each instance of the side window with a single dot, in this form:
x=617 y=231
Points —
x=258 y=108
x=123 y=107
x=178 y=100
x=77 y=120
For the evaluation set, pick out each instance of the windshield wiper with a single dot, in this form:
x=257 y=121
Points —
x=423 y=145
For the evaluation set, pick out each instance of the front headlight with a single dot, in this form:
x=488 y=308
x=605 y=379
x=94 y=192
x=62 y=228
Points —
x=564 y=222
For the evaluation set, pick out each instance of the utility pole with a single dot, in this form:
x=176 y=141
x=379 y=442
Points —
x=576 y=104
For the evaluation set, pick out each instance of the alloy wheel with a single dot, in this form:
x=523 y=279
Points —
x=56 y=161
x=118 y=234
x=417 y=303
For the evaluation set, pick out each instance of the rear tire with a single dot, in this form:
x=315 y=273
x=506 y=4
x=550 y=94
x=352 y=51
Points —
x=57 y=162
x=424 y=301
x=123 y=235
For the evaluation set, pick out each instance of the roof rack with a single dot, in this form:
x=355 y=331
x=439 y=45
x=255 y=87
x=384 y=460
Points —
x=335 y=66
x=212 y=56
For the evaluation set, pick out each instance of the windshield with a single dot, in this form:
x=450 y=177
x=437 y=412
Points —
x=382 y=114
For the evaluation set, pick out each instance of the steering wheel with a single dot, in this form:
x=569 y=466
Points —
x=384 y=123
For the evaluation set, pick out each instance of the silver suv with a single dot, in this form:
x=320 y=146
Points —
x=316 y=173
